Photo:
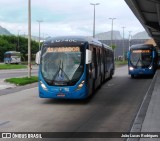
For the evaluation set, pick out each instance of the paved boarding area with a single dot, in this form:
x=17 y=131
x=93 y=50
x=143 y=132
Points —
x=152 y=119
x=148 y=116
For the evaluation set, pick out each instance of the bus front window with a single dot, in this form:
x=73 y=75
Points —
x=141 y=58
x=62 y=66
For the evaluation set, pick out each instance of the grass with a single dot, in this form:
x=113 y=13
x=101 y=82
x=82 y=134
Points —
x=120 y=63
x=26 y=63
x=12 y=66
x=23 y=80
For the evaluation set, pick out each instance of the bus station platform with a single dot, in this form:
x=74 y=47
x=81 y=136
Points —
x=148 y=116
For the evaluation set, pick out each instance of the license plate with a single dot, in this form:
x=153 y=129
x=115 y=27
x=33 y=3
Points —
x=61 y=95
x=141 y=72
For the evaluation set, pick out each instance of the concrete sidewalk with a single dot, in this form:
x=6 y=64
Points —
x=148 y=116
x=152 y=119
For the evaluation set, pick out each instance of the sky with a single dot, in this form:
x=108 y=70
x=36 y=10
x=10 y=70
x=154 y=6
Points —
x=67 y=17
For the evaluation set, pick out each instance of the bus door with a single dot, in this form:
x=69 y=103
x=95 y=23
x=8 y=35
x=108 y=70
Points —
x=107 y=63
x=91 y=72
x=103 y=63
x=7 y=58
x=95 y=66
x=99 y=62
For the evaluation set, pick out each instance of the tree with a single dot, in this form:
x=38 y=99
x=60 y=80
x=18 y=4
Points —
x=10 y=43
x=114 y=47
x=4 y=46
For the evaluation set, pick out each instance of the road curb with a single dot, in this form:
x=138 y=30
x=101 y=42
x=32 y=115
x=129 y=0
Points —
x=139 y=119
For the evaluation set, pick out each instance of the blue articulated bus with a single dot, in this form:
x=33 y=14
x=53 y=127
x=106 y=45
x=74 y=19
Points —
x=142 y=60
x=73 y=67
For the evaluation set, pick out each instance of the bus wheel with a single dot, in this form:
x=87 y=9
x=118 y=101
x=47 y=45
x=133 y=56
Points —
x=132 y=76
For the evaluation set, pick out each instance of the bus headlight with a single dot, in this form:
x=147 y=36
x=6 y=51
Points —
x=131 y=68
x=80 y=85
x=43 y=85
x=150 y=67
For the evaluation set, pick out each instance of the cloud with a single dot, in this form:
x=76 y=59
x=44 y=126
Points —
x=67 y=17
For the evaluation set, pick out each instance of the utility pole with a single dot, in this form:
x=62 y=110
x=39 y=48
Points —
x=29 y=38
x=130 y=38
x=123 y=45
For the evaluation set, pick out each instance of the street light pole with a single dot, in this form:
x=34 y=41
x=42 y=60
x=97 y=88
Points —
x=94 y=4
x=123 y=44
x=130 y=38
x=29 y=38
x=112 y=31
x=39 y=21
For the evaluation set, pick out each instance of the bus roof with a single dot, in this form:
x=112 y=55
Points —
x=141 y=46
x=82 y=39
x=12 y=52
x=107 y=47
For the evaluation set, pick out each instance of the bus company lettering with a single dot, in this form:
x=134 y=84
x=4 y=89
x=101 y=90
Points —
x=63 y=49
x=141 y=51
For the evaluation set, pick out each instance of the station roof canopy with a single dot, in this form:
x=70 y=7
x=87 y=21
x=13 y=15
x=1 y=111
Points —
x=148 y=13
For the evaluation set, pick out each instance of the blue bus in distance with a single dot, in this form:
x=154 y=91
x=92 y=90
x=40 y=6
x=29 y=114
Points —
x=142 y=60
x=72 y=67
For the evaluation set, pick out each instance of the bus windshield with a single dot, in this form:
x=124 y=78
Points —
x=141 y=58
x=62 y=65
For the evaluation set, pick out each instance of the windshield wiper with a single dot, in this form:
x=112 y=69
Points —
x=137 y=62
x=60 y=72
x=140 y=60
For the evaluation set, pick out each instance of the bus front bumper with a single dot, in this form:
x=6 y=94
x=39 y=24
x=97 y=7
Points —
x=146 y=71
x=77 y=94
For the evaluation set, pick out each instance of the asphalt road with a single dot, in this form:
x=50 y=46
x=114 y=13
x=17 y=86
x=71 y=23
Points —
x=17 y=72
x=112 y=109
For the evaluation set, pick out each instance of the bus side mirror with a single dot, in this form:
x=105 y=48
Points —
x=37 y=60
x=88 y=56
x=127 y=54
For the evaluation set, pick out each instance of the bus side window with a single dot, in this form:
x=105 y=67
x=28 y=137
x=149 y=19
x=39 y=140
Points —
x=99 y=59
x=95 y=61
x=94 y=58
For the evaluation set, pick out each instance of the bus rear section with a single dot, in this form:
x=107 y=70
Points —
x=142 y=60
